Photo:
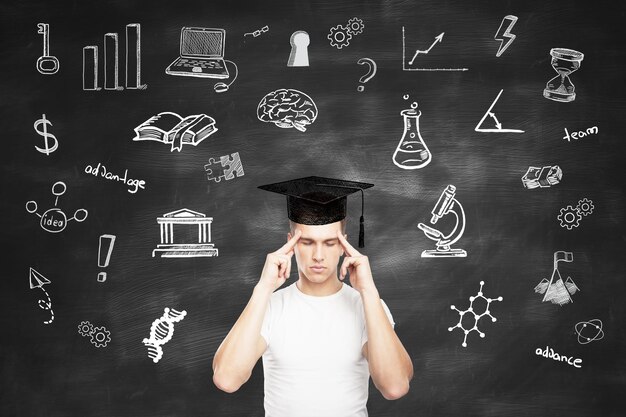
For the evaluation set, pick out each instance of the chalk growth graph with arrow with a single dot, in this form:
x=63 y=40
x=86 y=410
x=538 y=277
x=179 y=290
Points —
x=408 y=65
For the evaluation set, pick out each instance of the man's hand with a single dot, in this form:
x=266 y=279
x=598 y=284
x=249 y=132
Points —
x=278 y=265
x=358 y=265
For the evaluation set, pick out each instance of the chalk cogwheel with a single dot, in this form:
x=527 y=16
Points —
x=100 y=337
x=569 y=217
x=585 y=207
x=339 y=36
x=355 y=26
x=85 y=328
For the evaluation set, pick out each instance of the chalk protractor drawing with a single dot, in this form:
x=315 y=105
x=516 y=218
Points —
x=494 y=119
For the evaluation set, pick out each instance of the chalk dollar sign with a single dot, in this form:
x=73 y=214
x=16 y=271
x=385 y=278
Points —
x=43 y=121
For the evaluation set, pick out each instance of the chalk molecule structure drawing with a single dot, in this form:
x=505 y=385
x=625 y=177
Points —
x=477 y=317
x=161 y=332
x=54 y=220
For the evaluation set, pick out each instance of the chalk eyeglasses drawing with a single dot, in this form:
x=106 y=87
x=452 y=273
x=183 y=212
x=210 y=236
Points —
x=46 y=64
x=447 y=204
x=410 y=65
x=202 y=55
x=54 y=220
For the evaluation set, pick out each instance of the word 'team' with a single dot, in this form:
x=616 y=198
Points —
x=581 y=134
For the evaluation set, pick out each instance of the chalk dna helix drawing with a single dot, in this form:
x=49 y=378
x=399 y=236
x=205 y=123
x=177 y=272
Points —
x=161 y=332
x=477 y=317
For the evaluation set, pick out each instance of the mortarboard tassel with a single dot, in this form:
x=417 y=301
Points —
x=361 y=233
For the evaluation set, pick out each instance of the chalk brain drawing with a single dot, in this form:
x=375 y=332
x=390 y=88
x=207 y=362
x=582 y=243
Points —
x=287 y=108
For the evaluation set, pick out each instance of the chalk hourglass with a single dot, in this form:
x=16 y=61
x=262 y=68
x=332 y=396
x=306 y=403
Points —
x=412 y=152
x=565 y=62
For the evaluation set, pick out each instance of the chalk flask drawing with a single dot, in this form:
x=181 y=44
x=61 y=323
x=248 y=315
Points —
x=411 y=152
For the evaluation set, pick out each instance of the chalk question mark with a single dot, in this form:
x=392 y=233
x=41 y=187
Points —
x=370 y=73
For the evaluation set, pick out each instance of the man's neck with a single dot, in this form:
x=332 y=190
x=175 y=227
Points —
x=322 y=289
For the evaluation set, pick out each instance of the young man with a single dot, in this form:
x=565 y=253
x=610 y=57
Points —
x=320 y=338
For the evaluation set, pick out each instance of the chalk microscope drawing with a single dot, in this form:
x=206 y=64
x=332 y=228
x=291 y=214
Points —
x=299 y=55
x=570 y=217
x=98 y=336
x=46 y=64
x=411 y=152
x=542 y=177
x=589 y=331
x=228 y=167
x=171 y=128
x=161 y=332
x=202 y=55
x=257 y=32
x=287 y=108
x=446 y=204
x=580 y=134
x=477 y=317
x=408 y=66
x=564 y=62
x=340 y=35
x=168 y=249
x=370 y=72
x=491 y=114
x=111 y=62
x=36 y=280
x=555 y=290
x=504 y=34
x=47 y=149
x=54 y=220
x=105 y=249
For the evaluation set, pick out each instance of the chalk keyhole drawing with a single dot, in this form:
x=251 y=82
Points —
x=503 y=35
x=370 y=72
x=498 y=126
x=299 y=56
x=447 y=204
x=105 y=248
x=37 y=280
x=46 y=63
x=411 y=152
x=161 y=332
x=564 y=62
x=555 y=290
x=54 y=220
x=477 y=317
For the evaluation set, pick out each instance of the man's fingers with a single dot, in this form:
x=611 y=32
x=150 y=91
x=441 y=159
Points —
x=287 y=247
x=347 y=247
x=347 y=263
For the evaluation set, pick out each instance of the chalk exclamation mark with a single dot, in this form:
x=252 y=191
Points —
x=105 y=248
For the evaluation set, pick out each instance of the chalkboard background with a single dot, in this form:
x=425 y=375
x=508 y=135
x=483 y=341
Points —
x=510 y=237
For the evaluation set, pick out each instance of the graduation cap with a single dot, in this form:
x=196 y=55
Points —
x=319 y=200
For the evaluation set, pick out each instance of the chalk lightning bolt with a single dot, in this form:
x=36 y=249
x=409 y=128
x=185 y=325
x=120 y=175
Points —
x=506 y=34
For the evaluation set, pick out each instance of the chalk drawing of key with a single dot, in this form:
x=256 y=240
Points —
x=47 y=149
x=46 y=64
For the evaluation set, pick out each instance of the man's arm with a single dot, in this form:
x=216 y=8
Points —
x=389 y=363
x=244 y=345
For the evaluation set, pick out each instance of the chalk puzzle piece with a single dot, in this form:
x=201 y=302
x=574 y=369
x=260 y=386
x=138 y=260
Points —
x=227 y=167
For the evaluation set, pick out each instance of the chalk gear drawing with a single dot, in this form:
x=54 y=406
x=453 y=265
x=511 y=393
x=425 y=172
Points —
x=99 y=336
x=340 y=35
x=477 y=317
x=54 y=220
x=570 y=217
x=161 y=332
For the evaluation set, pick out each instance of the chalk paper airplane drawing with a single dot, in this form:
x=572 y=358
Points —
x=492 y=115
x=37 y=280
x=161 y=332
x=185 y=217
x=228 y=167
x=171 y=128
x=556 y=290
x=54 y=220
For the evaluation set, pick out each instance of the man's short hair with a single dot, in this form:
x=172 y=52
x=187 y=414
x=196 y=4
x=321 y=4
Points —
x=292 y=226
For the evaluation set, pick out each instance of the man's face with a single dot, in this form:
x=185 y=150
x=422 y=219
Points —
x=318 y=251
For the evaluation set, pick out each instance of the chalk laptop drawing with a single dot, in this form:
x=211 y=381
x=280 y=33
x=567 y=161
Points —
x=171 y=128
x=201 y=54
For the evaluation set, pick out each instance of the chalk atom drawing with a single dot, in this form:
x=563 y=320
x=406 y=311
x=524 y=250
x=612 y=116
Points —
x=36 y=280
x=287 y=108
x=555 y=290
x=477 y=316
x=447 y=204
x=161 y=332
x=54 y=220
x=189 y=218
x=498 y=126
x=228 y=167
x=504 y=34
x=46 y=63
x=589 y=331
